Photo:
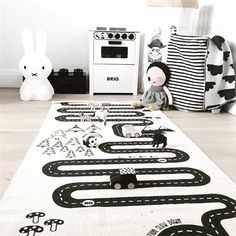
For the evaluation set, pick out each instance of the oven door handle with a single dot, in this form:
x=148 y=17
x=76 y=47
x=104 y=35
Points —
x=115 y=42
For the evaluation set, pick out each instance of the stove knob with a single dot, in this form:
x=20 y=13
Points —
x=124 y=36
x=131 y=36
x=110 y=35
x=96 y=35
x=117 y=36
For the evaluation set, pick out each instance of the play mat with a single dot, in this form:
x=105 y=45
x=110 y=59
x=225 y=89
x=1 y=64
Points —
x=63 y=185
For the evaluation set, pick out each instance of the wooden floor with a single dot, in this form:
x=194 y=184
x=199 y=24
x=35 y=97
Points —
x=20 y=121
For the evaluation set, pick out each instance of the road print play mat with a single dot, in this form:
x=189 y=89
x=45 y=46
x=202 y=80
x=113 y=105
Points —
x=62 y=187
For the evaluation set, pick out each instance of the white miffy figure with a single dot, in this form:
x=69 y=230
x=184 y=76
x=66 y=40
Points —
x=35 y=67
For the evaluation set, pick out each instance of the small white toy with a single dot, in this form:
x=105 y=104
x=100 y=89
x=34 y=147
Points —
x=36 y=68
x=101 y=114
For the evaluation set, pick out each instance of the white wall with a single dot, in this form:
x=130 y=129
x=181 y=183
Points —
x=217 y=17
x=67 y=23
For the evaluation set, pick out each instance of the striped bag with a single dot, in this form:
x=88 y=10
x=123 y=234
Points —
x=186 y=60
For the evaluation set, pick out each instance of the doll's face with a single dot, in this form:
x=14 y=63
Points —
x=156 y=76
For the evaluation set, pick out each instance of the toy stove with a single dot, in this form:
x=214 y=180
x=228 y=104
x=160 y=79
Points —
x=113 y=60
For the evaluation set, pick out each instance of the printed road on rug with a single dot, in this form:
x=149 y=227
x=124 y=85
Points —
x=95 y=169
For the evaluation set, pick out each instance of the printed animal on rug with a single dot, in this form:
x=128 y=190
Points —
x=90 y=139
x=159 y=138
x=35 y=67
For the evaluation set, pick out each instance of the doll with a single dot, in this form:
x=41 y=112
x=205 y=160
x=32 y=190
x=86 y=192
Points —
x=157 y=96
x=35 y=67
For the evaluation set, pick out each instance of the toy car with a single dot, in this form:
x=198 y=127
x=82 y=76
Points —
x=130 y=131
x=126 y=179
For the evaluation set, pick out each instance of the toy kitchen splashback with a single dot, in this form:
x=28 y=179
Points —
x=113 y=60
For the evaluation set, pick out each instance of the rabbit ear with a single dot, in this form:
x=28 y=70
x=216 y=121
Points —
x=27 y=40
x=41 y=42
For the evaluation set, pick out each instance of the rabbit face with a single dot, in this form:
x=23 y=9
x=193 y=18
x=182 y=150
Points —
x=35 y=66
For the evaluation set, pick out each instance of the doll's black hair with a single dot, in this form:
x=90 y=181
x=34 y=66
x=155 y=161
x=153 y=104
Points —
x=163 y=67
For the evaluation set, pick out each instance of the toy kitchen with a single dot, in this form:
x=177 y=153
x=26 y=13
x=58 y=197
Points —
x=113 y=61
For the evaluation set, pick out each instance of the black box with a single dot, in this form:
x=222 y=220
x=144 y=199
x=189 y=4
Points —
x=64 y=81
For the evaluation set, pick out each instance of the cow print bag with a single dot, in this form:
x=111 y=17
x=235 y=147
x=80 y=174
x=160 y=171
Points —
x=220 y=75
x=202 y=74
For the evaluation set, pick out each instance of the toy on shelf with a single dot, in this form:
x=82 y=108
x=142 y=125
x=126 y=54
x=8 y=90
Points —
x=155 y=46
x=65 y=81
x=125 y=179
x=35 y=68
x=159 y=138
x=158 y=96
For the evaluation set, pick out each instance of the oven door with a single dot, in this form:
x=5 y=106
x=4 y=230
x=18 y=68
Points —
x=114 y=52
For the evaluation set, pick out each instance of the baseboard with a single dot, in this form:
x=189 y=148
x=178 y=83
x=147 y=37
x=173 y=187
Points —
x=231 y=108
x=10 y=78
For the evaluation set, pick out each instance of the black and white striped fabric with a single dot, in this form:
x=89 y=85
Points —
x=186 y=60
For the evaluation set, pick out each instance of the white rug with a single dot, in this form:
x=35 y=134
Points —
x=62 y=187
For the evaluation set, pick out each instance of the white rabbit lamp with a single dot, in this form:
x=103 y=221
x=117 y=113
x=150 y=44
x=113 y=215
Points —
x=36 y=68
